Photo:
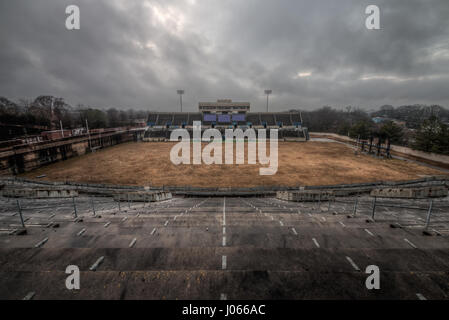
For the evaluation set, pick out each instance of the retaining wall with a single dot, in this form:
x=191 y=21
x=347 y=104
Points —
x=415 y=193
x=38 y=193
x=313 y=196
x=22 y=158
x=338 y=190
x=143 y=196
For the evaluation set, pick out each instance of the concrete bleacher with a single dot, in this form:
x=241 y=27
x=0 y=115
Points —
x=152 y=118
x=207 y=247
x=194 y=116
x=296 y=117
x=165 y=119
x=222 y=121
x=283 y=118
x=268 y=119
x=210 y=248
x=255 y=118
x=284 y=121
x=180 y=119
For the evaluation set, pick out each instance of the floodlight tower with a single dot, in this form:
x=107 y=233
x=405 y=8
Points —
x=268 y=92
x=180 y=92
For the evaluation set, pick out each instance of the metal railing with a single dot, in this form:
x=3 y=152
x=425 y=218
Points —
x=92 y=203
x=433 y=207
x=21 y=208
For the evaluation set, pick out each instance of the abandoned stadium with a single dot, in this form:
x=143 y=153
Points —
x=249 y=239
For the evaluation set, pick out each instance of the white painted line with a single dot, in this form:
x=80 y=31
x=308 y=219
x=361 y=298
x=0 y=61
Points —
x=166 y=222
x=223 y=262
x=52 y=215
x=107 y=224
x=224 y=230
x=224 y=241
x=133 y=242
x=309 y=214
x=369 y=232
x=96 y=264
x=342 y=224
x=410 y=243
x=223 y=296
x=281 y=223
x=154 y=230
x=316 y=242
x=41 y=243
x=124 y=218
x=224 y=211
x=174 y=219
x=81 y=232
x=323 y=218
x=420 y=296
x=29 y=295
x=294 y=231
x=353 y=264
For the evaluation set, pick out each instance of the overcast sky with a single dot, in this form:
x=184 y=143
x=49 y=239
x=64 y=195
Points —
x=135 y=54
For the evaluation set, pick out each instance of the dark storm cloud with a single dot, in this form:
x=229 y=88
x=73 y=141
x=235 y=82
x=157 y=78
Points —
x=311 y=53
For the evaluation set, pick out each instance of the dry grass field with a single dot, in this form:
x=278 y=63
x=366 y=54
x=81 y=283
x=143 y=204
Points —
x=311 y=163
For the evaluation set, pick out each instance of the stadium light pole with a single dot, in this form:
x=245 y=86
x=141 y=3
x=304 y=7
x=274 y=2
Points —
x=180 y=92
x=268 y=92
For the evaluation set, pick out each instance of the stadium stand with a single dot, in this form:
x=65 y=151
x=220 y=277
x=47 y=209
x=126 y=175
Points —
x=284 y=121
x=207 y=119
x=283 y=118
x=187 y=118
x=296 y=118
x=224 y=119
x=180 y=118
x=253 y=118
x=194 y=116
x=267 y=118
x=152 y=118
x=165 y=119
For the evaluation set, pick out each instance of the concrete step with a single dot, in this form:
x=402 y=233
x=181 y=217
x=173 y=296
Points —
x=237 y=258
x=182 y=284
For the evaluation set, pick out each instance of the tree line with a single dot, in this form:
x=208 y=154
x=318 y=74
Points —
x=48 y=112
x=420 y=127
